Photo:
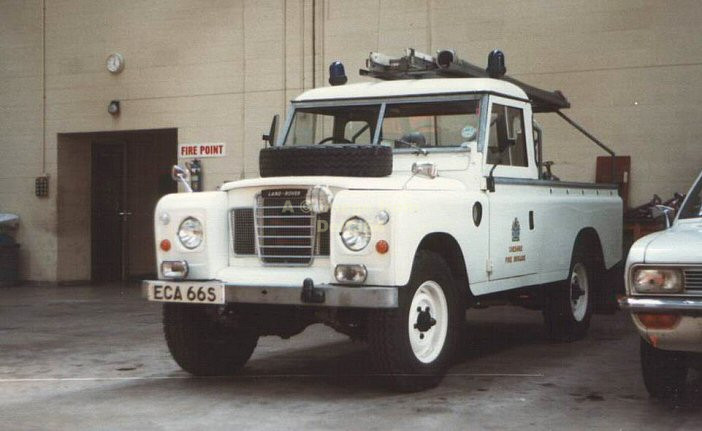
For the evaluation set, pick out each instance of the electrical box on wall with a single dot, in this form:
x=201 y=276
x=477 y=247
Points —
x=41 y=186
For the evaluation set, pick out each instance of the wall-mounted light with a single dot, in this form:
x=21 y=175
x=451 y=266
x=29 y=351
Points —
x=113 y=107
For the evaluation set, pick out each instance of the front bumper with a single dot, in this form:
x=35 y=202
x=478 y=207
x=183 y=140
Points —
x=675 y=305
x=324 y=295
x=685 y=336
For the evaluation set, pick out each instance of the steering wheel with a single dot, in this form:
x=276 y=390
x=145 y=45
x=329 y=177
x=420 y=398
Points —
x=333 y=138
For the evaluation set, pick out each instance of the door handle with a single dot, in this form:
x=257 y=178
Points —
x=124 y=213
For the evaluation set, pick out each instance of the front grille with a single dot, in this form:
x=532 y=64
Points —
x=243 y=231
x=285 y=229
x=693 y=281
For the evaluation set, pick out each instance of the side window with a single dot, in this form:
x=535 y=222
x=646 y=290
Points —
x=506 y=139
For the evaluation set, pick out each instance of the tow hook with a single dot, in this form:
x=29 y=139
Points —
x=311 y=294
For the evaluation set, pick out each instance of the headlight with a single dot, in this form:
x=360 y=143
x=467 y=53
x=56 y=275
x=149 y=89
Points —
x=650 y=280
x=356 y=234
x=190 y=233
x=319 y=199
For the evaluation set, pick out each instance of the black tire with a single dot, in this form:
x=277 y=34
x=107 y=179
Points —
x=664 y=371
x=202 y=344
x=389 y=339
x=560 y=320
x=342 y=160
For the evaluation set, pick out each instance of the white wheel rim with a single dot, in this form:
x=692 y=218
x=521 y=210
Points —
x=579 y=291
x=427 y=338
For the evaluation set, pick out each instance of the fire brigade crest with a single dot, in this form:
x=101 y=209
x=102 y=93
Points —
x=515 y=230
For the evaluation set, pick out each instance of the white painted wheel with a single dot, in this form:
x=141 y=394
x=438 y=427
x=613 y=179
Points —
x=428 y=321
x=579 y=292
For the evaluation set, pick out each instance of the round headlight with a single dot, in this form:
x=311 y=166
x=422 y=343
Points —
x=319 y=199
x=190 y=233
x=356 y=234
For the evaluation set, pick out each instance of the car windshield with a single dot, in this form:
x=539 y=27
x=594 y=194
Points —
x=452 y=123
x=693 y=203
x=333 y=125
x=429 y=125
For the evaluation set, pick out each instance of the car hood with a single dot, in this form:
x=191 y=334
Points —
x=397 y=181
x=680 y=244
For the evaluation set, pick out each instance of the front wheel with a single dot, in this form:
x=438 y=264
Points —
x=204 y=341
x=412 y=346
x=664 y=371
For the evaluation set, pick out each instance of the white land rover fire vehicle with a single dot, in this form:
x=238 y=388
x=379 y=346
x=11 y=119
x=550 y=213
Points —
x=385 y=210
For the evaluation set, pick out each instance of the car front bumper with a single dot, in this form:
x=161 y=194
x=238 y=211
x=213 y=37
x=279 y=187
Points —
x=323 y=295
x=685 y=336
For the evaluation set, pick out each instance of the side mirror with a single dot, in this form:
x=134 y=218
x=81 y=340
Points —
x=663 y=211
x=183 y=176
x=270 y=137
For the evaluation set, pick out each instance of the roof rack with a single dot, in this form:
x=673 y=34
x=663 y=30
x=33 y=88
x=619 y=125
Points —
x=446 y=64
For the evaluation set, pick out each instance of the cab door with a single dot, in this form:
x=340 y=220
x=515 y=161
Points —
x=513 y=214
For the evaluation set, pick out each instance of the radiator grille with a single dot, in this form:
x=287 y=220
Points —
x=243 y=231
x=693 y=281
x=285 y=230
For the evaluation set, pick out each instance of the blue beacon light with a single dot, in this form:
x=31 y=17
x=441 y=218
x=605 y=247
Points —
x=337 y=74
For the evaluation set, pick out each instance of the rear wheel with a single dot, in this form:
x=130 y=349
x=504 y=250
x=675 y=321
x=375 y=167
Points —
x=204 y=341
x=568 y=306
x=664 y=371
x=412 y=346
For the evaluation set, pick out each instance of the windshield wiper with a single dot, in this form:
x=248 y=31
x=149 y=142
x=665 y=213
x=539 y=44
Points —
x=419 y=149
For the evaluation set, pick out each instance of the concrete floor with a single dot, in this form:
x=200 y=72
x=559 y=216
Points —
x=94 y=358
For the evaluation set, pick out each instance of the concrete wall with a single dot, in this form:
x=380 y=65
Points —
x=218 y=70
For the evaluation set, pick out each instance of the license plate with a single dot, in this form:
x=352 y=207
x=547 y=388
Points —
x=196 y=293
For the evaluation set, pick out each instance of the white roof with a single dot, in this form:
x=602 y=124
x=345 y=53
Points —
x=413 y=87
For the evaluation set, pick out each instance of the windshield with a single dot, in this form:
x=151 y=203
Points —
x=693 y=205
x=451 y=123
x=427 y=125
x=333 y=125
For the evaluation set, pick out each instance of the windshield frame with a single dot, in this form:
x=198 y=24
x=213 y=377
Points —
x=696 y=185
x=480 y=97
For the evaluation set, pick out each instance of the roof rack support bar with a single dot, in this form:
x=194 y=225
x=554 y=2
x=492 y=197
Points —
x=590 y=137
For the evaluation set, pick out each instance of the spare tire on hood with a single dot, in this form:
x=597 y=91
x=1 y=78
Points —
x=340 y=160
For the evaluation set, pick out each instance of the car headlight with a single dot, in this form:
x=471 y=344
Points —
x=190 y=233
x=319 y=199
x=356 y=234
x=657 y=280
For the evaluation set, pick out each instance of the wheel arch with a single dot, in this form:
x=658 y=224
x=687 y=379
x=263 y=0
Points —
x=446 y=246
x=590 y=239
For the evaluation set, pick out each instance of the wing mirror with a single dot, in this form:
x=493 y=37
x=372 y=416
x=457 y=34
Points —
x=182 y=176
x=270 y=137
x=663 y=211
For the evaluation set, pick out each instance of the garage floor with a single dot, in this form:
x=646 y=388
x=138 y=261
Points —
x=94 y=358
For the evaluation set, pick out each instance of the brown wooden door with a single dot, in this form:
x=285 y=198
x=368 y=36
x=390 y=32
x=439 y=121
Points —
x=109 y=214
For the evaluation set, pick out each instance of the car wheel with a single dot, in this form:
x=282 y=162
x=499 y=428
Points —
x=568 y=304
x=664 y=371
x=203 y=343
x=412 y=347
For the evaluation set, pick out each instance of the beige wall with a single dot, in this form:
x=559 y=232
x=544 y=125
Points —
x=218 y=70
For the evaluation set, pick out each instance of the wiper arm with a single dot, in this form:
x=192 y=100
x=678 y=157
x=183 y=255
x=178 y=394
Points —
x=419 y=149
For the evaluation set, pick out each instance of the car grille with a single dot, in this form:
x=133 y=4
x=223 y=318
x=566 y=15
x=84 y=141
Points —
x=693 y=281
x=280 y=229
x=243 y=231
